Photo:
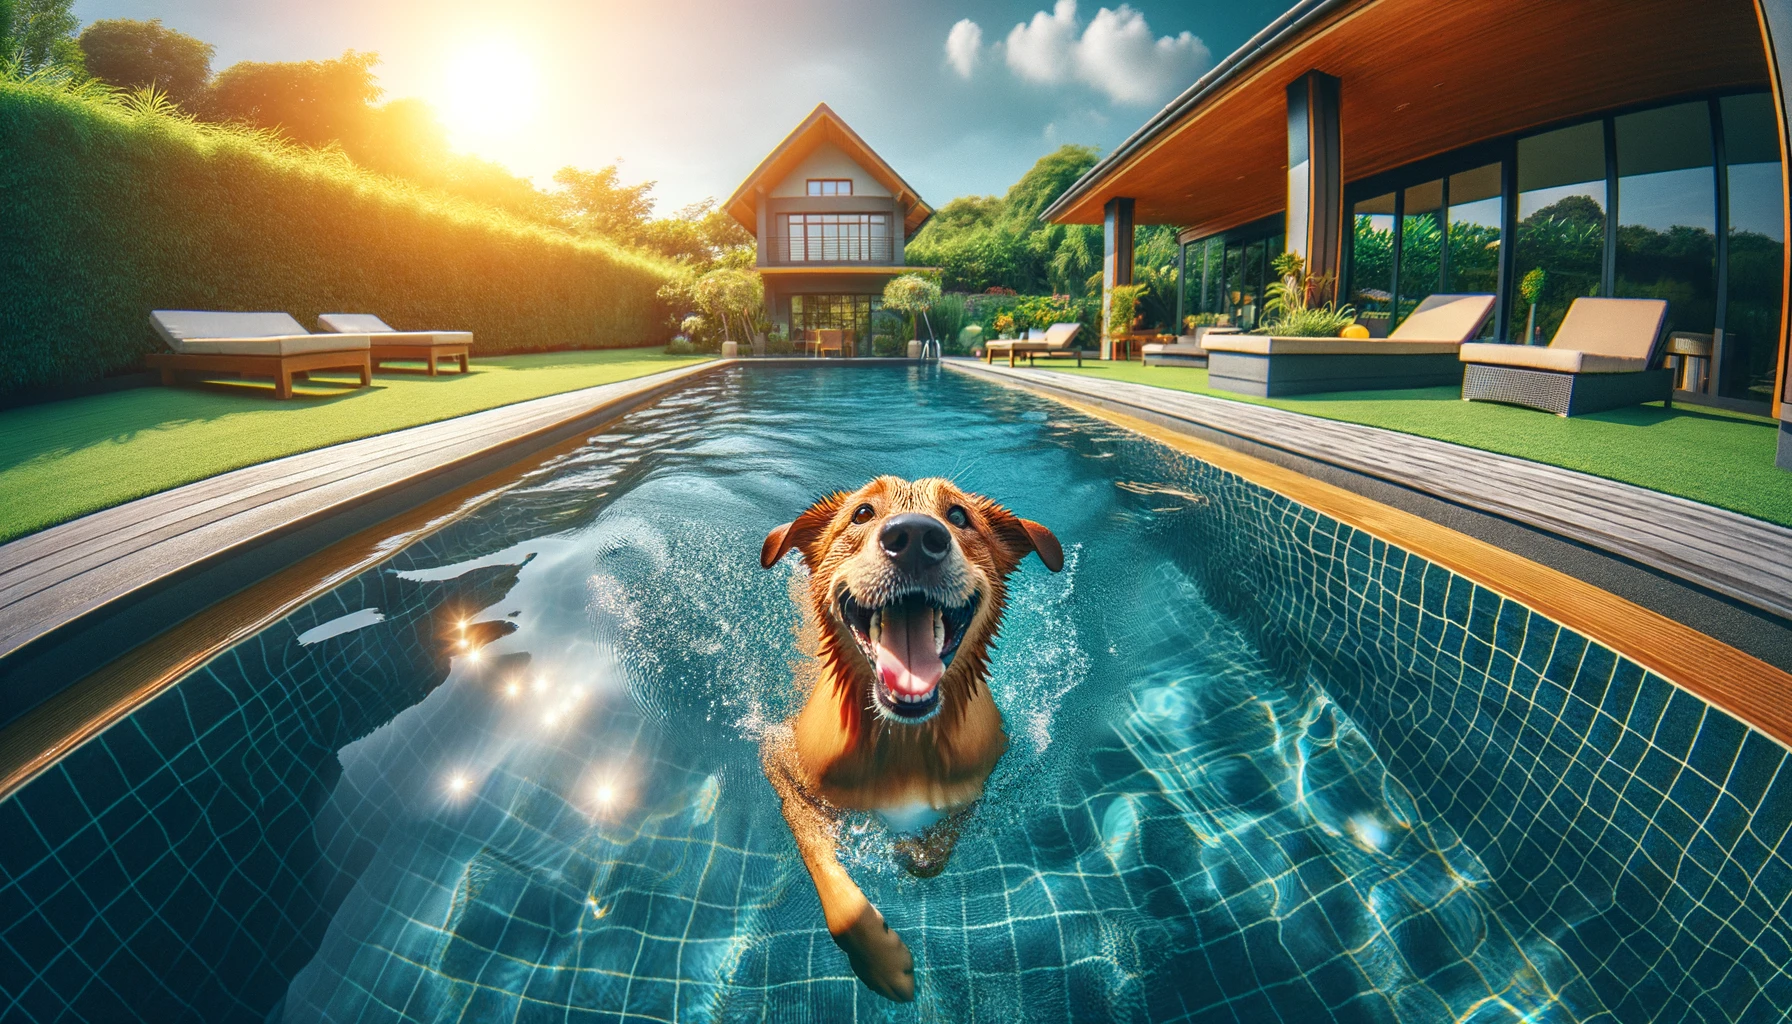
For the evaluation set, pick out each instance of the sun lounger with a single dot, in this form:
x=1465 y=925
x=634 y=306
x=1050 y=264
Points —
x=1052 y=343
x=391 y=345
x=1420 y=353
x=1605 y=355
x=1185 y=350
x=252 y=345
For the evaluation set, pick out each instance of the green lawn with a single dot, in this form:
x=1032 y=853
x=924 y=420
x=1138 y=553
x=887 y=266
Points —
x=65 y=459
x=1708 y=455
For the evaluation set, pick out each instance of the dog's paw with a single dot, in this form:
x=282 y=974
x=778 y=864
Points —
x=920 y=858
x=879 y=957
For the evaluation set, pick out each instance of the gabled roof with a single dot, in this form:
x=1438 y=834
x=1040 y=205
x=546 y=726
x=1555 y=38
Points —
x=823 y=125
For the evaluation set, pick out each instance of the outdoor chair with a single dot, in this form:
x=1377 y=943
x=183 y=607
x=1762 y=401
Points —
x=1052 y=343
x=253 y=345
x=1605 y=355
x=1420 y=353
x=1186 y=350
x=830 y=339
x=390 y=345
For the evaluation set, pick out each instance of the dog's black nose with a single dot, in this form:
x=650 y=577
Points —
x=913 y=540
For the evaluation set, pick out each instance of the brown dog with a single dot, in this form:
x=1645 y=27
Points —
x=907 y=582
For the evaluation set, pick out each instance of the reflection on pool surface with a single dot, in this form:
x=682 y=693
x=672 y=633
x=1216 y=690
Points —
x=373 y=817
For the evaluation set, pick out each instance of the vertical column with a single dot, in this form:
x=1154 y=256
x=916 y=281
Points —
x=761 y=235
x=1116 y=260
x=1181 y=285
x=1315 y=175
x=1776 y=33
x=898 y=237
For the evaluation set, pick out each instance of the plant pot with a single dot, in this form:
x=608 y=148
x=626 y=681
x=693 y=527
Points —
x=914 y=350
x=730 y=350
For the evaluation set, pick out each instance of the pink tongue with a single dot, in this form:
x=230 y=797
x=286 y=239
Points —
x=907 y=661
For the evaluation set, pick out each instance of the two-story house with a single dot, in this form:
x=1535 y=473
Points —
x=831 y=218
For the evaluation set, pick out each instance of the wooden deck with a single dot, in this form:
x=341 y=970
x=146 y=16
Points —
x=52 y=578
x=1745 y=559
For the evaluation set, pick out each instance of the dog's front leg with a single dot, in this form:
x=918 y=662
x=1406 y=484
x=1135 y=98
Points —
x=877 y=954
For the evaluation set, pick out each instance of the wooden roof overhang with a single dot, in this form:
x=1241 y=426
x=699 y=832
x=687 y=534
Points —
x=1419 y=78
x=823 y=125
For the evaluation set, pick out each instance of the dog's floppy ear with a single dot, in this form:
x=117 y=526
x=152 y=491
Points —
x=800 y=532
x=1024 y=535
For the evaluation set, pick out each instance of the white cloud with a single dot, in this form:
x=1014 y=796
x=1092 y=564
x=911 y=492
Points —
x=963 y=44
x=1041 y=51
x=1118 y=56
x=1116 y=53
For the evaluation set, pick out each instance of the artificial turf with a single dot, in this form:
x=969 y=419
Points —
x=65 y=459
x=1708 y=455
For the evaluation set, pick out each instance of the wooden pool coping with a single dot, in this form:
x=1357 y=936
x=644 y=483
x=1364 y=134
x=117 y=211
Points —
x=1744 y=686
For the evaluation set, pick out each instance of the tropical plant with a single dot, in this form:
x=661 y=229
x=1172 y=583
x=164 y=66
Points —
x=1195 y=320
x=1123 y=304
x=39 y=34
x=1291 y=305
x=1003 y=324
x=912 y=295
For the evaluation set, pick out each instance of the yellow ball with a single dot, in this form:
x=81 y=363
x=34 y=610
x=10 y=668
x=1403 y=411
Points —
x=1354 y=331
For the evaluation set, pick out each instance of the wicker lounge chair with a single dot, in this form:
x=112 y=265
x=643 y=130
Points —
x=390 y=345
x=1420 y=353
x=1185 y=350
x=1052 y=343
x=252 y=345
x=1606 y=355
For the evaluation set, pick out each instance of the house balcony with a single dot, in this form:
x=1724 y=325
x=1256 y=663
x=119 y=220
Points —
x=828 y=253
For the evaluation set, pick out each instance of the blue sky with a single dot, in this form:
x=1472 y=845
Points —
x=692 y=93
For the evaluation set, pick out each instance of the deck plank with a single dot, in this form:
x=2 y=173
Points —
x=1723 y=551
x=52 y=577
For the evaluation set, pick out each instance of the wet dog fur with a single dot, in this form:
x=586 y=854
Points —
x=872 y=736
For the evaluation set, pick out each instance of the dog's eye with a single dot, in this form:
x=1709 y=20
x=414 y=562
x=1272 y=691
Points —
x=863 y=514
x=956 y=515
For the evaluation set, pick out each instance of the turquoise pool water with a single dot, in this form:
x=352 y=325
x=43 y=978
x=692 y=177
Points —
x=354 y=817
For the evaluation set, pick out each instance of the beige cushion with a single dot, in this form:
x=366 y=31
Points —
x=1060 y=335
x=1180 y=348
x=1015 y=344
x=1264 y=345
x=209 y=332
x=367 y=323
x=1560 y=360
x=1612 y=327
x=1445 y=318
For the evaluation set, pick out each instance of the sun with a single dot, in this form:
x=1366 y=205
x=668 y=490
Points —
x=490 y=93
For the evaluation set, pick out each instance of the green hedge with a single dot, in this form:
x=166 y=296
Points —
x=111 y=207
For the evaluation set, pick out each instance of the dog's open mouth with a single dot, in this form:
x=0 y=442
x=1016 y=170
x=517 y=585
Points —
x=909 y=642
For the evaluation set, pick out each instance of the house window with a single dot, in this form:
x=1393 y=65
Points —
x=834 y=237
x=830 y=186
x=847 y=312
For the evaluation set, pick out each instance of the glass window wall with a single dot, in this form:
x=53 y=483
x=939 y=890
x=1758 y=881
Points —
x=1756 y=250
x=1667 y=213
x=1476 y=217
x=1560 y=249
x=1371 y=288
x=1421 y=246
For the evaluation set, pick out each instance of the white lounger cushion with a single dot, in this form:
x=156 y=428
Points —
x=1445 y=318
x=1179 y=348
x=367 y=323
x=1264 y=345
x=1560 y=360
x=206 y=332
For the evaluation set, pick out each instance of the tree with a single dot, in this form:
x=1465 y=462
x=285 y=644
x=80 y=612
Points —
x=597 y=201
x=37 y=34
x=729 y=295
x=914 y=295
x=314 y=102
x=133 y=54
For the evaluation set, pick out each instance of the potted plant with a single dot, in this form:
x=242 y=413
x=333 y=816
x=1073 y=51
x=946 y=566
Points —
x=1290 y=308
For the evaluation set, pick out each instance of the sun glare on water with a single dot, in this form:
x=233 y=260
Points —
x=490 y=93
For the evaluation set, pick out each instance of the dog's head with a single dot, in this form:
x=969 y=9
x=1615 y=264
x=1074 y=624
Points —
x=908 y=581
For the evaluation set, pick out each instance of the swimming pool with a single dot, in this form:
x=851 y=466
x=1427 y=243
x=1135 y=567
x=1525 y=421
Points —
x=1261 y=767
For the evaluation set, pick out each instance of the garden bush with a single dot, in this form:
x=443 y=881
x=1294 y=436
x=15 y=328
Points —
x=116 y=205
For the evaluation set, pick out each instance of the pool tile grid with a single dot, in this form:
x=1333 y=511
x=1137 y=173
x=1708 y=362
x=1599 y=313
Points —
x=1615 y=820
